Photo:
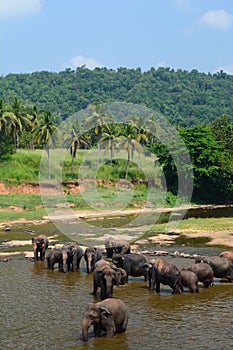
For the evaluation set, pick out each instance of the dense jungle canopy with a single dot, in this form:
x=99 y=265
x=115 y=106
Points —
x=186 y=98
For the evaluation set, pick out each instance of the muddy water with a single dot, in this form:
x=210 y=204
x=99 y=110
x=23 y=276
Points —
x=42 y=309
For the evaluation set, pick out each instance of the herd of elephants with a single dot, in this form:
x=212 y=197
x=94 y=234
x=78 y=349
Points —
x=110 y=315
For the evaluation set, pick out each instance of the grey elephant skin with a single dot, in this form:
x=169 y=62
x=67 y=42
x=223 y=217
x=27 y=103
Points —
x=116 y=246
x=189 y=280
x=162 y=271
x=67 y=257
x=132 y=263
x=222 y=267
x=108 y=317
x=104 y=277
x=121 y=275
x=91 y=256
x=40 y=245
x=203 y=271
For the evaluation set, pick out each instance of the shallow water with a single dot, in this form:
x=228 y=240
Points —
x=42 y=309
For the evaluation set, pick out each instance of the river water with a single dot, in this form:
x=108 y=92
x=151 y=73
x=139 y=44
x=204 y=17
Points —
x=43 y=309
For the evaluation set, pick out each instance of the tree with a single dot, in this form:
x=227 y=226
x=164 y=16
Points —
x=45 y=134
x=22 y=120
x=77 y=141
x=130 y=143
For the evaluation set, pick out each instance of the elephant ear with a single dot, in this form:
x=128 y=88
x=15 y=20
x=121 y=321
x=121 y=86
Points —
x=104 y=310
x=147 y=266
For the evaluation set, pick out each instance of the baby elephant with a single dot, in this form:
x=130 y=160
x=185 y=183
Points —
x=109 y=316
x=189 y=280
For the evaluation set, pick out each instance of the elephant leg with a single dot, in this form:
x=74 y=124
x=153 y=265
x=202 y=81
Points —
x=97 y=330
x=95 y=286
x=157 y=287
x=124 y=325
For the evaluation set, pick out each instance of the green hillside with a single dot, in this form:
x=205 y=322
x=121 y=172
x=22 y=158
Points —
x=187 y=98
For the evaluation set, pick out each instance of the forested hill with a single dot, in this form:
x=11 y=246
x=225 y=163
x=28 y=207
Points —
x=187 y=98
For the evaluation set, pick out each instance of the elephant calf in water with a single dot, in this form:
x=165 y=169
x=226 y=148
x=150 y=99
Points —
x=203 y=271
x=109 y=316
x=189 y=280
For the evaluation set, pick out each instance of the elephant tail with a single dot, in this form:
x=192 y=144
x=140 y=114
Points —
x=178 y=285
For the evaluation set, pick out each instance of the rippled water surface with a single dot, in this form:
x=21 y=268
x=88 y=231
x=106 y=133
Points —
x=42 y=309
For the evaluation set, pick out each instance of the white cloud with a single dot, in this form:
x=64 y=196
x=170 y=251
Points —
x=18 y=8
x=217 y=18
x=80 y=61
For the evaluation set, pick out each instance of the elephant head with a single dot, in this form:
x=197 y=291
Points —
x=67 y=257
x=92 y=255
x=101 y=318
x=40 y=244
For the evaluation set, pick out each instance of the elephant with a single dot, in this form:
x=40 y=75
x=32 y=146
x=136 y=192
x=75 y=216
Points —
x=54 y=257
x=132 y=264
x=227 y=254
x=109 y=316
x=92 y=255
x=203 y=271
x=115 y=246
x=101 y=262
x=40 y=244
x=64 y=257
x=189 y=280
x=78 y=253
x=121 y=275
x=222 y=267
x=105 y=278
x=162 y=271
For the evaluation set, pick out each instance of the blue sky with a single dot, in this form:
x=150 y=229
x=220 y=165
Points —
x=52 y=35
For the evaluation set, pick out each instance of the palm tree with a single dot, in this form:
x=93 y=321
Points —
x=22 y=118
x=76 y=142
x=45 y=133
x=8 y=121
x=110 y=136
x=99 y=121
x=130 y=143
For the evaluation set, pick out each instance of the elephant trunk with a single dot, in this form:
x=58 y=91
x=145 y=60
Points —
x=89 y=266
x=108 y=288
x=64 y=260
x=85 y=326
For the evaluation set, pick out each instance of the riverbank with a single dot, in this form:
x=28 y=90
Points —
x=213 y=231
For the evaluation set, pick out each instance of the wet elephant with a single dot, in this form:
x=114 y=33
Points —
x=109 y=316
x=78 y=253
x=121 y=275
x=55 y=257
x=40 y=244
x=132 y=263
x=203 y=271
x=162 y=271
x=91 y=256
x=105 y=278
x=116 y=246
x=222 y=267
x=63 y=256
x=189 y=280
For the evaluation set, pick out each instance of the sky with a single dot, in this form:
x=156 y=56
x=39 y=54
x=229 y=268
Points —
x=53 y=35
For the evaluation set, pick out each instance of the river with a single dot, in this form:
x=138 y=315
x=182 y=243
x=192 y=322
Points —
x=42 y=309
